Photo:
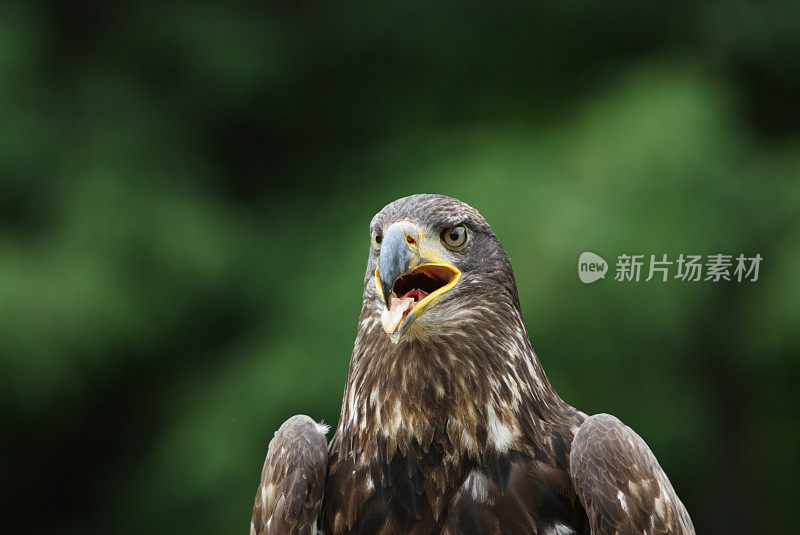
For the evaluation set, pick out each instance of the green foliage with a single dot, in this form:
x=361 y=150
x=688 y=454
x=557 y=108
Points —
x=185 y=196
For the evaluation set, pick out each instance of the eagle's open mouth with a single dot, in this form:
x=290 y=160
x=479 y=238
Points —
x=415 y=290
x=422 y=281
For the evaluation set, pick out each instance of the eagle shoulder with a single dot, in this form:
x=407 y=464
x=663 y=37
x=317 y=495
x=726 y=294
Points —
x=620 y=483
x=289 y=496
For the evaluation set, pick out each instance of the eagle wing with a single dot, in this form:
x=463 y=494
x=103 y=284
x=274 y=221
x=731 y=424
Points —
x=620 y=483
x=289 y=496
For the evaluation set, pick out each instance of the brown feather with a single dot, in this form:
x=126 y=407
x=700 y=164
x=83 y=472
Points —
x=289 y=496
x=620 y=483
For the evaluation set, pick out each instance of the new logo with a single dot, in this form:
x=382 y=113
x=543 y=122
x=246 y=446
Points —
x=591 y=267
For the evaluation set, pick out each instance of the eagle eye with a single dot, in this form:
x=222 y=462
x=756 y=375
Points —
x=376 y=238
x=454 y=237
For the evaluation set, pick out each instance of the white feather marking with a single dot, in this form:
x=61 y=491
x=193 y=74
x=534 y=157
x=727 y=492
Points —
x=500 y=436
x=664 y=492
x=511 y=383
x=622 y=501
x=560 y=529
x=476 y=487
x=397 y=417
x=468 y=442
x=322 y=428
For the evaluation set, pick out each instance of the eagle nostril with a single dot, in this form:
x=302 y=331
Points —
x=411 y=240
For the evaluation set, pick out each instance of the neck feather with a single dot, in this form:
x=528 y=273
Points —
x=475 y=389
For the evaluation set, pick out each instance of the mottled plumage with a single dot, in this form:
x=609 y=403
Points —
x=289 y=496
x=621 y=484
x=449 y=424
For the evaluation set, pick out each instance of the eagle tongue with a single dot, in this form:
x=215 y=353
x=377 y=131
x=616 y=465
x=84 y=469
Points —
x=391 y=318
x=417 y=294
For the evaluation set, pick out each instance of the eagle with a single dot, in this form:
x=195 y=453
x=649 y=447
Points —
x=449 y=424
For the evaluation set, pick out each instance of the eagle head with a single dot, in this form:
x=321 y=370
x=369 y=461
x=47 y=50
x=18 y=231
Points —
x=434 y=262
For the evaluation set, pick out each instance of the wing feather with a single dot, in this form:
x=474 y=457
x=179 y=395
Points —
x=620 y=483
x=292 y=484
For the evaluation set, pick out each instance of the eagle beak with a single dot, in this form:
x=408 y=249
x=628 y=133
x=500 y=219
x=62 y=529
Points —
x=409 y=277
x=399 y=255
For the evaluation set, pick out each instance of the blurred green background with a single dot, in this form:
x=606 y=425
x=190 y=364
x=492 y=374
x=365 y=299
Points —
x=185 y=191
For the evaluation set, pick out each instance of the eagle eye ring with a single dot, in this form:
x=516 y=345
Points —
x=376 y=238
x=454 y=237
